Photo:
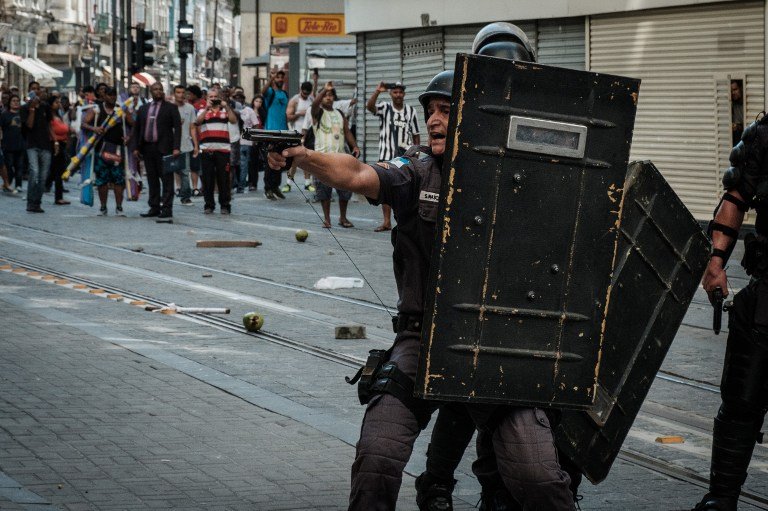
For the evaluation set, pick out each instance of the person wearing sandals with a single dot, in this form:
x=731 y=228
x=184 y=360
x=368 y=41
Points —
x=331 y=132
x=108 y=152
x=59 y=158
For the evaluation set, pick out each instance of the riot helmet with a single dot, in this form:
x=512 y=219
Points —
x=441 y=85
x=504 y=40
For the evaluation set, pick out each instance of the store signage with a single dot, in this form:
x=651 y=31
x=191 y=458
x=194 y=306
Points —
x=307 y=25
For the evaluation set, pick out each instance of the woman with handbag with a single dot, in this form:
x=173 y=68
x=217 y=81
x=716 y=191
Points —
x=59 y=160
x=108 y=152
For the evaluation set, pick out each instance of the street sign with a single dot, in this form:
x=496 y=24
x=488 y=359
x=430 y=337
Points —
x=213 y=53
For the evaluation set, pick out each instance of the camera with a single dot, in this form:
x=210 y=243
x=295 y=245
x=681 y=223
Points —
x=215 y=102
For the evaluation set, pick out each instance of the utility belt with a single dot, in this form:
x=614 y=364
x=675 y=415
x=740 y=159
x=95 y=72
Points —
x=755 y=260
x=410 y=322
x=380 y=376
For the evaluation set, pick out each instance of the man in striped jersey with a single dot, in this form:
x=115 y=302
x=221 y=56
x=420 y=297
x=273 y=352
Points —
x=214 y=144
x=398 y=130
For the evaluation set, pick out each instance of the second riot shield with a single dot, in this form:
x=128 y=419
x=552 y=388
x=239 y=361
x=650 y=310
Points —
x=661 y=256
x=534 y=166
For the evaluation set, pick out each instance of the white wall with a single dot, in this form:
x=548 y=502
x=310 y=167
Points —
x=374 y=15
x=313 y=6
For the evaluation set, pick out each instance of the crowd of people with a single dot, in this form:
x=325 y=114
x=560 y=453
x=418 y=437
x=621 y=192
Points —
x=193 y=150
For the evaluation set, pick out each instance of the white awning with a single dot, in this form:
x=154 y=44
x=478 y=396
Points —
x=36 y=67
x=51 y=72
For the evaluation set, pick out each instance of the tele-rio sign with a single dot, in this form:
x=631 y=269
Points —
x=307 y=25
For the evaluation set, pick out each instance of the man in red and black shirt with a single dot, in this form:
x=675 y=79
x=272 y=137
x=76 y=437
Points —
x=214 y=143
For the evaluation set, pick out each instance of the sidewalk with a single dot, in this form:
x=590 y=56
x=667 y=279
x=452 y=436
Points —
x=86 y=424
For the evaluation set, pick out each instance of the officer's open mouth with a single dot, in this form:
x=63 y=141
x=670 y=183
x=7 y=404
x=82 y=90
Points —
x=437 y=136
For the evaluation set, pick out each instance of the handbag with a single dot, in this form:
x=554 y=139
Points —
x=111 y=153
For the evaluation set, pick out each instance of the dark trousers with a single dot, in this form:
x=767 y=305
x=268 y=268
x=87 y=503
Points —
x=744 y=391
x=58 y=165
x=272 y=179
x=14 y=161
x=522 y=442
x=153 y=163
x=216 y=173
x=255 y=165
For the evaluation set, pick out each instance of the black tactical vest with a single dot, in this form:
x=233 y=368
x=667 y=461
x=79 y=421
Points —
x=414 y=237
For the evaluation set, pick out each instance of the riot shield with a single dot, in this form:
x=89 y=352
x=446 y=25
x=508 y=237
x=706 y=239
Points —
x=527 y=232
x=662 y=254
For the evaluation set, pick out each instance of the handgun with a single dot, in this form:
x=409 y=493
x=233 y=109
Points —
x=275 y=140
x=717 y=303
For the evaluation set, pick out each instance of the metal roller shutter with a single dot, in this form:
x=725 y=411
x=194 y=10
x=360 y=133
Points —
x=457 y=39
x=361 y=95
x=561 y=42
x=382 y=63
x=422 y=60
x=337 y=63
x=686 y=58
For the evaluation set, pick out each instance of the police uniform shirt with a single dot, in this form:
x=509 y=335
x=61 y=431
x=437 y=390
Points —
x=411 y=186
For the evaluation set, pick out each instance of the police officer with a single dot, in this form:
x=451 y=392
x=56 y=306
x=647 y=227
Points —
x=522 y=439
x=434 y=485
x=744 y=386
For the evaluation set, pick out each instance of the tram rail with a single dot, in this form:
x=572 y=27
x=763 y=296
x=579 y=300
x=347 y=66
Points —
x=630 y=456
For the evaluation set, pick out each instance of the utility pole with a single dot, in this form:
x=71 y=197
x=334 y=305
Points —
x=213 y=52
x=123 y=58
x=182 y=55
x=129 y=43
x=115 y=30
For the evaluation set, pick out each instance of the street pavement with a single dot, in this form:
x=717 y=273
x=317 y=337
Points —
x=106 y=406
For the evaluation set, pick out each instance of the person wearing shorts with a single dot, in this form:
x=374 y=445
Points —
x=331 y=132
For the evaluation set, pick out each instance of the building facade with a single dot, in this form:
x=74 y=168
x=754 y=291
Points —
x=686 y=53
x=256 y=34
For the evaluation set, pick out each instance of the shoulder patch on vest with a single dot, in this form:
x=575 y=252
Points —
x=399 y=161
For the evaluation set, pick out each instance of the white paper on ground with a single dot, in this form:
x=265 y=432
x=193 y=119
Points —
x=338 y=283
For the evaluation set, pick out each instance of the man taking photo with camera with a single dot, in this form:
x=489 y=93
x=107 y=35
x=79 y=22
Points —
x=398 y=130
x=214 y=143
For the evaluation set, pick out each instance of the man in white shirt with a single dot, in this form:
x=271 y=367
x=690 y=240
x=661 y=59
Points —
x=398 y=130
x=188 y=142
x=296 y=113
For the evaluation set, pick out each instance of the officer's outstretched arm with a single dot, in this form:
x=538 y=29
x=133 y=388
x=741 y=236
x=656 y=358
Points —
x=728 y=220
x=342 y=171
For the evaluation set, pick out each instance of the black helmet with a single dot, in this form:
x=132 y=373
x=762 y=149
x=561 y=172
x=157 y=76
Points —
x=505 y=40
x=441 y=85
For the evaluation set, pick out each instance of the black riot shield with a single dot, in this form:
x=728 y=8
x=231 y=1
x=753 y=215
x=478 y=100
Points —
x=526 y=237
x=662 y=254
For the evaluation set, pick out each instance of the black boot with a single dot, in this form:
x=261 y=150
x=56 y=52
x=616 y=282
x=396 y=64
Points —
x=733 y=440
x=498 y=499
x=433 y=494
x=712 y=503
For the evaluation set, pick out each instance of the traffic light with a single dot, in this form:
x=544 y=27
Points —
x=186 y=38
x=133 y=65
x=143 y=47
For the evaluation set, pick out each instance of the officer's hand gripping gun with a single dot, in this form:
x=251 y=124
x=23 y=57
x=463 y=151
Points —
x=719 y=306
x=276 y=141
